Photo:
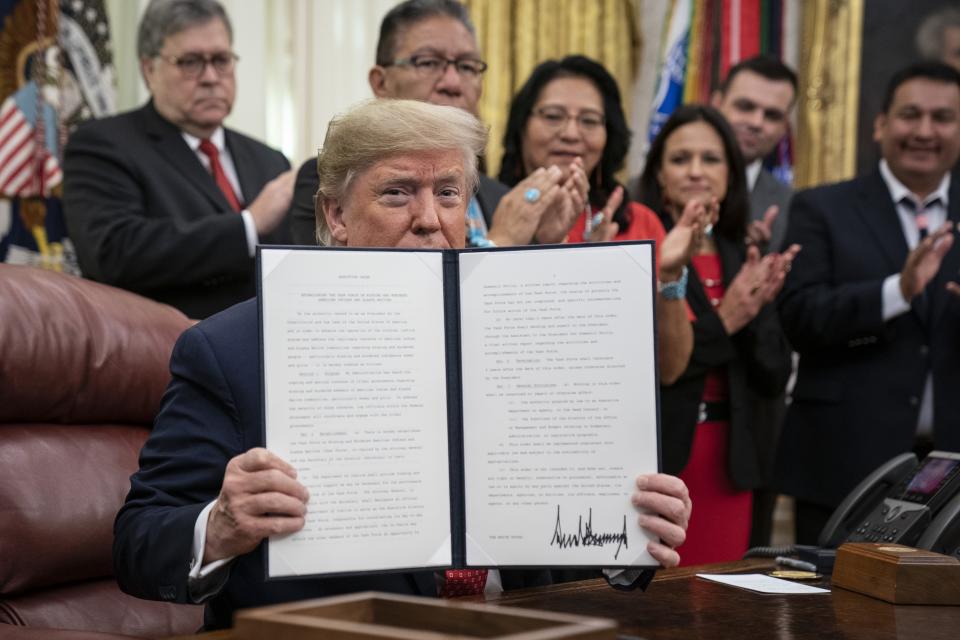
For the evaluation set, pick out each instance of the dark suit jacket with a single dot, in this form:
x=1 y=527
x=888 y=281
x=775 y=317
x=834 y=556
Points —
x=757 y=362
x=860 y=380
x=210 y=413
x=302 y=209
x=766 y=192
x=145 y=215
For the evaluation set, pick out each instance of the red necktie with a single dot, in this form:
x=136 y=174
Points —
x=210 y=150
x=463 y=582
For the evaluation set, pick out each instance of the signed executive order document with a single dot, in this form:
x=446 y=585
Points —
x=461 y=408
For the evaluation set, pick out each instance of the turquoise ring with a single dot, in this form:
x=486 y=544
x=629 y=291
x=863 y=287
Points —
x=532 y=195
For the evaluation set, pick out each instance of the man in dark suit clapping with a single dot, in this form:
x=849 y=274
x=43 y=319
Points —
x=866 y=304
x=164 y=200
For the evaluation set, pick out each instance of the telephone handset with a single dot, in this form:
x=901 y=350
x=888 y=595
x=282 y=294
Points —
x=901 y=500
x=847 y=517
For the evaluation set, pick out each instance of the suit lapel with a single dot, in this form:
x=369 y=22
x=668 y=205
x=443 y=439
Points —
x=486 y=198
x=173 y=148
x=251 y=180
x=879 y=216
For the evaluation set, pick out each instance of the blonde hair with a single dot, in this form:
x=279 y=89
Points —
x=380 y=128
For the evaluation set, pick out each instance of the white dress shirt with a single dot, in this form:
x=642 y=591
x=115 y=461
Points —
x=893 y=302
x=753 y=173
x=226 y=161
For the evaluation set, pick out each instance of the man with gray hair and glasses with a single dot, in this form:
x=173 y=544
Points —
x=397 y=173
x=427 y=50
x=164 y=200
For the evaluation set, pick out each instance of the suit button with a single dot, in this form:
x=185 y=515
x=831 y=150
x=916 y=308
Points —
x=924 y=350
x=914 y=401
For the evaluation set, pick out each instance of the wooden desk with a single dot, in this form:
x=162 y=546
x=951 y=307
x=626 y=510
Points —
x=677 y=604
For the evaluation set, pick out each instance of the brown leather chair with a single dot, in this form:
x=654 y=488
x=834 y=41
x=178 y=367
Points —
x=82 y=369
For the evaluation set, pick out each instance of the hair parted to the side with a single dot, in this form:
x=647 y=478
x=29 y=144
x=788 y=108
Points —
x=163 y=18
x=765 y=66
x=735 y=207
x=925 y=69
x=406 y=14
x=382 y=128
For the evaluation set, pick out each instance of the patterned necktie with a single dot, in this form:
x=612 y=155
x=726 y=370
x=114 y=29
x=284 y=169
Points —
x=919 y=211
x=463 y=582
x=210 y=150
x=923 y=302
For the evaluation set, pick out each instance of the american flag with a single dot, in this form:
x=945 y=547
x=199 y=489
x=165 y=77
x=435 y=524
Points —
x=23 y=171
x=59 y=72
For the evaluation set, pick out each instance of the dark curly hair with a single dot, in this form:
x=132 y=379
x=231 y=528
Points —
x=602 y=181
x=735 y=208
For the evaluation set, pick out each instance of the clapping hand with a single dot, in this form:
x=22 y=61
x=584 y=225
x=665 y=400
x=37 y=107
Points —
x=521 y=211
x=757 y=283
x=923 y=263
x=760 y=231
x=600 y=227
x=683 y=240
x=563 y=212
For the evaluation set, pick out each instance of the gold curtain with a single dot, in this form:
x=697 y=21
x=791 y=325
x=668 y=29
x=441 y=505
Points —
x=831 y=39
x=516 y=35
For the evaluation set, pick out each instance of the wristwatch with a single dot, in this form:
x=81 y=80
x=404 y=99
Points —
x=676 y=290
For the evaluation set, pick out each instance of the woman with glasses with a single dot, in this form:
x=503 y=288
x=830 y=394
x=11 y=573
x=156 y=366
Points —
x=568 y=115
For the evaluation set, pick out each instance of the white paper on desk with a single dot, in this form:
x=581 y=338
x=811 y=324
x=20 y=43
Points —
x=761 y=583
x=559 y=360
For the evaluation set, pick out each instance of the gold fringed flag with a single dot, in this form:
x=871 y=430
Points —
x=55 y=71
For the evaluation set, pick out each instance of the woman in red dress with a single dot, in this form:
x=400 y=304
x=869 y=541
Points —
x=740 y=363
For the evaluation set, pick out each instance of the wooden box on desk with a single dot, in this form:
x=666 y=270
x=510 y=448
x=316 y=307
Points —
x=373 y=615
x=898 y=574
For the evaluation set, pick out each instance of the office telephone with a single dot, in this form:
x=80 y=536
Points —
x=904 y=501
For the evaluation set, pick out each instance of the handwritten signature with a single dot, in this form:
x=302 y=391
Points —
x=585 y=537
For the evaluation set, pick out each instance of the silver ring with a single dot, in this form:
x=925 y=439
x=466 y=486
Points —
x=532 y=195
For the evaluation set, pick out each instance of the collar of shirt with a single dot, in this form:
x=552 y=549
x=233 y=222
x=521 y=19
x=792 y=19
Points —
x=935 y=215
x=753 y=173
x=899 y=191
x=217 y=138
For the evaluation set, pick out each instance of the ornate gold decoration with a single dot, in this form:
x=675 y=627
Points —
x=19 y=33
x=831 y=39
x=517 y=35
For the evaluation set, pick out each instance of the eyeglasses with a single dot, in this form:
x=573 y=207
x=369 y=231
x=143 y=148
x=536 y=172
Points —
x=590 y=122
x=430 y=66
x=192 y=65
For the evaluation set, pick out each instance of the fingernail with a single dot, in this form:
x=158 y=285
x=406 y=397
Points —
x=642 y=482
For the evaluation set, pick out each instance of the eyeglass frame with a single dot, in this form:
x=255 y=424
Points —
x=205 y=60
x=601 y=126
x=412 y=62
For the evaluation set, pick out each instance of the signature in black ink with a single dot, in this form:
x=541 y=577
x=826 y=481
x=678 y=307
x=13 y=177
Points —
x=585 y=537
